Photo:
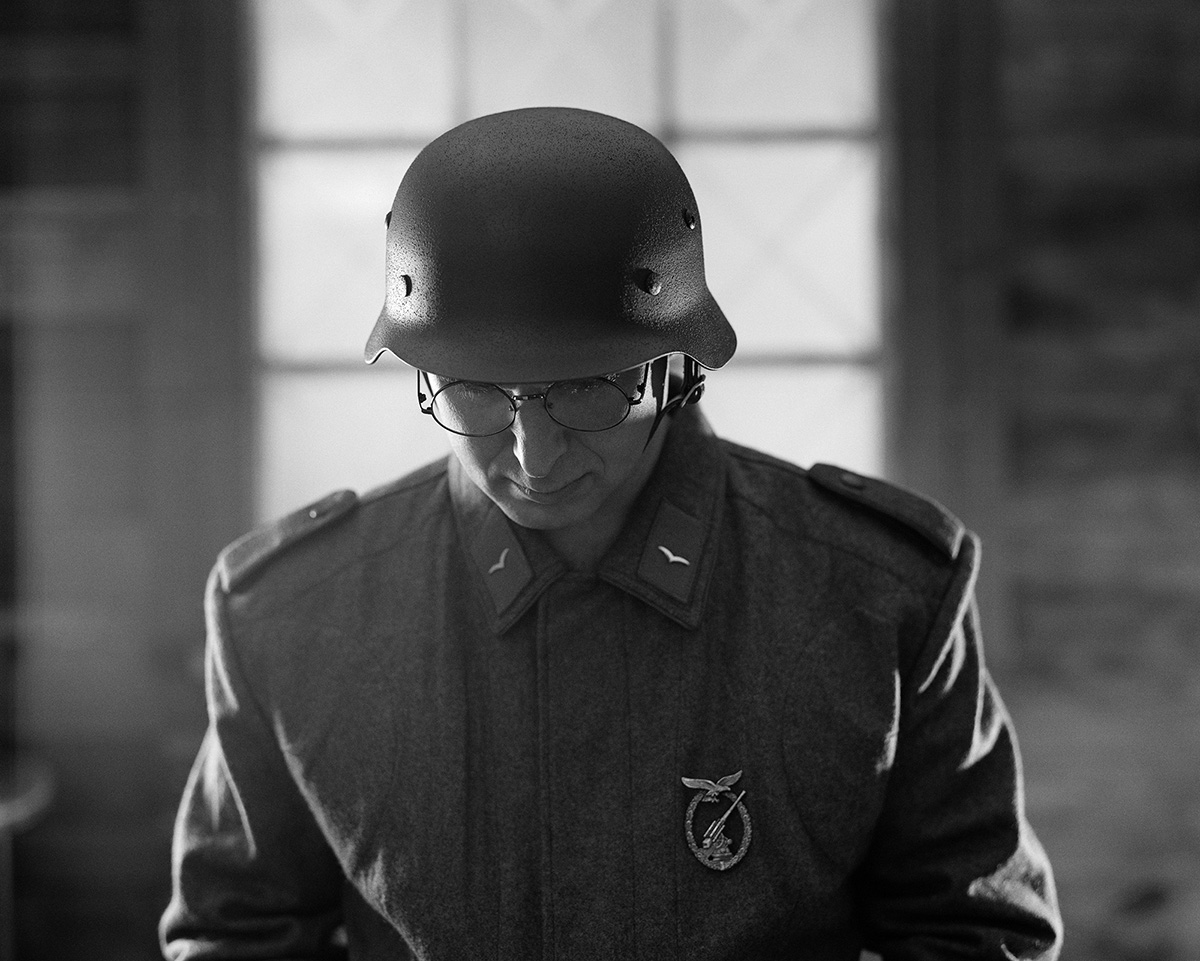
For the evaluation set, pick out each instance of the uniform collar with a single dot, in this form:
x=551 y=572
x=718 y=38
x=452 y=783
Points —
x=664 y=555
x=667 y=550
x=511 y=565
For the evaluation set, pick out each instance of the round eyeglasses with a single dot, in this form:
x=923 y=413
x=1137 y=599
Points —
x=476 y=409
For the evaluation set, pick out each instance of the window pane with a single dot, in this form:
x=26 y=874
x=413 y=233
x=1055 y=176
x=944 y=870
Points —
x=596 y=54
x=353 y=67
x=321 y=247
x=790 y=225
x=790 y=241
x=746 y=64
x=802 y=414
x=321 y=432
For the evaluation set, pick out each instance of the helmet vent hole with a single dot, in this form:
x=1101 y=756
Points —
x=387 y=219
x=407 y=284
x=650 y=282
x=689 y=219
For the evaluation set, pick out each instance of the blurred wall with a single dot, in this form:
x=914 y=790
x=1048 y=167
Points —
x=124 y=250
x=1100 y=268
x=123 y=284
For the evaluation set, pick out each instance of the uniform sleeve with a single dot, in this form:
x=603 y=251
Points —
x=955 y=871
x=252 y=874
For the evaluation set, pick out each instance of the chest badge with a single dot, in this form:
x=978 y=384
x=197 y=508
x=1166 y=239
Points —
x=717 y=839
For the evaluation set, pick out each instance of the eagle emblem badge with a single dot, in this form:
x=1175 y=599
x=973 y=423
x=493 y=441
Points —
x=717 y=839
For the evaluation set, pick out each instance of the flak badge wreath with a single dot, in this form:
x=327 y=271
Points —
x=706 y=828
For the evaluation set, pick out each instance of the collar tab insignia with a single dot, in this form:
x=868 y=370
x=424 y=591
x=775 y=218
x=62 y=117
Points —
x=673 y=558
x=675 y=540
x=500 y=561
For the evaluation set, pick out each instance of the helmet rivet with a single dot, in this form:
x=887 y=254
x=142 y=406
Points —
x=387 y=219
x=407 y=284
x=651 y=283
x=689 y=220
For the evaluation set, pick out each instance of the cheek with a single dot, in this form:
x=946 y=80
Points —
x=477 y=453
x=622 y=449
x=639 y=423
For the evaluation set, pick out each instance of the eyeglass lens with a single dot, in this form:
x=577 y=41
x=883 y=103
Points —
x=475 y=409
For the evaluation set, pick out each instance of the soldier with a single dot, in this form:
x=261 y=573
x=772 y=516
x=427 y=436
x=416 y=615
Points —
x=599 y=684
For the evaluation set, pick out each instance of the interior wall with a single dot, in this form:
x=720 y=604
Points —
x=120 y=224
x=1100 y=491
x=1048 y=259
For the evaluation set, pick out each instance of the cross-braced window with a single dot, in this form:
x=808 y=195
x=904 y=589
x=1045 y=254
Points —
x=770 y=105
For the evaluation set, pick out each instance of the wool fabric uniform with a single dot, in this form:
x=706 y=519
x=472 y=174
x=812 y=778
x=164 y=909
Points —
x=431 y=739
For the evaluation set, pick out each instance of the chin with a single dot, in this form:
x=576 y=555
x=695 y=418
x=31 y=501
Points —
x=539 y=516
x=548 y=512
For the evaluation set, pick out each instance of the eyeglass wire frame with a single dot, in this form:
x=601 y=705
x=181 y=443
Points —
x=426 y=404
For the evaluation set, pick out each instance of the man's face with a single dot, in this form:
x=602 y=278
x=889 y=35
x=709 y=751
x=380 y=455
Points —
x=546 y=476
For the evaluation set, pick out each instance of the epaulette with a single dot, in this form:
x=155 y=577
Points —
x=925 y=516
x=245 y=556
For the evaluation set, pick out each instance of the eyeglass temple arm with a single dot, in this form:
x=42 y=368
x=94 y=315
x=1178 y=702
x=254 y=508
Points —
x=691 y=389
x=421 y=399
x=693 y=382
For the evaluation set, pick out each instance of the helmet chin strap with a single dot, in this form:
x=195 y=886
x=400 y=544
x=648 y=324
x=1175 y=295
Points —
x=690 y=388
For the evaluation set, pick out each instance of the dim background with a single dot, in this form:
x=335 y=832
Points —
x=961 y=242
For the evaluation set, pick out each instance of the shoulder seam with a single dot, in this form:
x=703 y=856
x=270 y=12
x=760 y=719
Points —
x=733 y=449
x=241 y=560
x=245 y=557
x=920 y=514
x=897 y=575
x=418 y=477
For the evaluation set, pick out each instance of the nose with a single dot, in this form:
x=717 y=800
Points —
x=538 y=441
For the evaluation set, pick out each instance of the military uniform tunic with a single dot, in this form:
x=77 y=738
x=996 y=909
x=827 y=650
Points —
x=431 y=739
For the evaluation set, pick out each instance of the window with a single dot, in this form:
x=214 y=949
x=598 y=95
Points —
x=770 y=106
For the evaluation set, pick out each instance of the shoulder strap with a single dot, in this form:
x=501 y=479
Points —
x=922 y=514
x=245 y=556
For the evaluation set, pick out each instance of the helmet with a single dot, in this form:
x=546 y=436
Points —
x=546 y=243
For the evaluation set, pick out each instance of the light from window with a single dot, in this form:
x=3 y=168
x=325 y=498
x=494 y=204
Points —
x=769 y=105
